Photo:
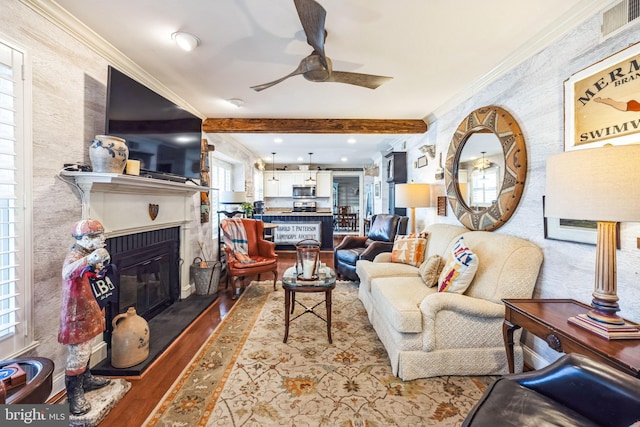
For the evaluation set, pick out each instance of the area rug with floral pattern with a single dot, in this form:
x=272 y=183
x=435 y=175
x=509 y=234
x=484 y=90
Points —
x=244 y=375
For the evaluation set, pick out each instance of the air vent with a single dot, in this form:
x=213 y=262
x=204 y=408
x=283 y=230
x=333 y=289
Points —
x=619 y=15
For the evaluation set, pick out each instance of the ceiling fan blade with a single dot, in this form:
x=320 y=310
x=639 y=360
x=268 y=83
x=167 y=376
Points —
x=312 y=16
x=264 y=86
x=365 y=80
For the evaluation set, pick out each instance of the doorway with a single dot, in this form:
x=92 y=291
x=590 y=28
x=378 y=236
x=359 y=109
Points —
x=348 y=208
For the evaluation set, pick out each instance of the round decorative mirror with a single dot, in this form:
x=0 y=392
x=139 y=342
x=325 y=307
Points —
x=485 y=168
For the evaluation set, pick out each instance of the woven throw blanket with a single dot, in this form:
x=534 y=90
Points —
x=235 y=237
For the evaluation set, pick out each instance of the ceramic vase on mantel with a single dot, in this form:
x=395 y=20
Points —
x=108 y=154
x=129 y=340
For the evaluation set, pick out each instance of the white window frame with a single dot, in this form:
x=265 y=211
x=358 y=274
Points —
x=484 y=186
x=20 y=339
x=221 y=177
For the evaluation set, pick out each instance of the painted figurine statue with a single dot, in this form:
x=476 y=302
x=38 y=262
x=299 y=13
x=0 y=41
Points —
x=81 y=318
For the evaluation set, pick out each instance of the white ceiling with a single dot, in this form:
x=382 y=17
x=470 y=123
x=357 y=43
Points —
x=436 y=51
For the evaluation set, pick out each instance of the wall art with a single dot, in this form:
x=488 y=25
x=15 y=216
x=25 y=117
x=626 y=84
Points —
x=602 y=102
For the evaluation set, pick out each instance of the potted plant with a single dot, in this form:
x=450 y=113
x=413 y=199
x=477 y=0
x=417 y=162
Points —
x=247 y=207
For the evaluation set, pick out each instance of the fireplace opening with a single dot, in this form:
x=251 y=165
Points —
x=147 y=273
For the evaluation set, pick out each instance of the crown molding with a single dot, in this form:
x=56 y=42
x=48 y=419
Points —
x=573 y=17
x=60 y=17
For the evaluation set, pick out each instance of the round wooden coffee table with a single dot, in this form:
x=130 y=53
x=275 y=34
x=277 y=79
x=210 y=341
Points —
x=291 y=284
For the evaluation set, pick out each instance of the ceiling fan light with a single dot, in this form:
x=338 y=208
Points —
x=185 y=41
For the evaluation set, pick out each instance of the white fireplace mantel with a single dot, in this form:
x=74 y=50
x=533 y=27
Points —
x=124 y=205
x=122 y=202
x=129 y=184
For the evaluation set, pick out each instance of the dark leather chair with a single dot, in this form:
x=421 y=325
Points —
x=383 y=230
x=572 y=391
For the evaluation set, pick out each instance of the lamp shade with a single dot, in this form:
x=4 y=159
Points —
x=599 y=184
x=232 y=197
x=412 y=195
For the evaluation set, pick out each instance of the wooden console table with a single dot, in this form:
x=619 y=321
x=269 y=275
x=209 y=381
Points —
x=547 y=319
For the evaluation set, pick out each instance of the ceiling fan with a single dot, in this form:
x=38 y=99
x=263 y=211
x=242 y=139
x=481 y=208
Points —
x=317 y=66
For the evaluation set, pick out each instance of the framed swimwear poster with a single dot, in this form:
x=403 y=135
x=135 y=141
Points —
x=602 y=102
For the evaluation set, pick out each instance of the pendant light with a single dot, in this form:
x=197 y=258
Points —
x=273 y=168
x=310 y=180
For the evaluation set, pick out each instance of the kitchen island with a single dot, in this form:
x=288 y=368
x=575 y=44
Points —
x=296 y=226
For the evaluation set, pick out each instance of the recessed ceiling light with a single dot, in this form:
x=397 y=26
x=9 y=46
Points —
x=277 y=140
x=237 y=102
x=300 y=158
x=186 y=41
x=351 y=140
x=343 y=159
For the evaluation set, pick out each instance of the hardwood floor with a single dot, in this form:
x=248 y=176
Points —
x=147 y=391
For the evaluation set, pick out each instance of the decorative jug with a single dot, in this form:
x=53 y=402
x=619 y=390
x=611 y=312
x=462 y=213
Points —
x=129 y=340
x=108 y=154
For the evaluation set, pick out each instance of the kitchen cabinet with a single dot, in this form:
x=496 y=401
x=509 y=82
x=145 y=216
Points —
x=271 y=188
x=324 y=185
x=287 y=179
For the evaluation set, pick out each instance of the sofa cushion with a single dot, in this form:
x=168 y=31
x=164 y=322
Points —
x=440 y=238
x=459 y=270
x=515 y=405
x=409 y=249
x=367 y=271
x=430 y=270
x=397 y=300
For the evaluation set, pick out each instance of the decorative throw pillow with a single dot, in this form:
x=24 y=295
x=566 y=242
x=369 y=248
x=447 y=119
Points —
x=459 y=270
x=409 y=249
x=430 y=270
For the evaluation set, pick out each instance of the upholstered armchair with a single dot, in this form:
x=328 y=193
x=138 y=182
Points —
x=250 y=258
x=382 y=232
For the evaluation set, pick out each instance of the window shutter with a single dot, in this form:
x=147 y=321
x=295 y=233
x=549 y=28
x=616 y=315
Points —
x=14 y=272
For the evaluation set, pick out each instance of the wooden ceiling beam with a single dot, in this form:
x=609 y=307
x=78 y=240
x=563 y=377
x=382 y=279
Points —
x=362 y=126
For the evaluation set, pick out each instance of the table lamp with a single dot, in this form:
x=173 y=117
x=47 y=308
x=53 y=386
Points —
x=412 y=196
x=232 y=197
x=603 y=185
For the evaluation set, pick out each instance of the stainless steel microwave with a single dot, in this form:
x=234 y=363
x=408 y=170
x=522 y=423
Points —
x=304 y=191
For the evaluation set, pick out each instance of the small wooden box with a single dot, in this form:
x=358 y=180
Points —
x=12 y=376
x=442 y=206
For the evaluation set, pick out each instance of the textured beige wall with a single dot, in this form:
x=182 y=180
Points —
x=533 y=93
x=69 y=91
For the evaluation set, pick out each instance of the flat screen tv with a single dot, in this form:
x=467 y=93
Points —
x=163 y=136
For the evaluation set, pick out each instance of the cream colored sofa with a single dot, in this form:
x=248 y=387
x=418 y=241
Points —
x=429 y=333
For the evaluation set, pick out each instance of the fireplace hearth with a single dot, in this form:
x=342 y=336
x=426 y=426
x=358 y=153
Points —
x=147 y=278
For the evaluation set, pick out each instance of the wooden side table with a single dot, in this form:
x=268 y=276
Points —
x=291 y=285
x=547 y=319
x=269 y=230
